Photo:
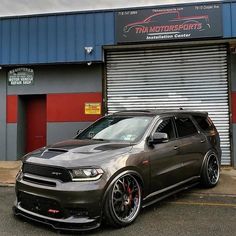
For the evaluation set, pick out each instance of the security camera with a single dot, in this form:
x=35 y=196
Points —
x=88 y=49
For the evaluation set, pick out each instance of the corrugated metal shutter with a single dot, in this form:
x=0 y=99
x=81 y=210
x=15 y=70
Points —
x=156 y=78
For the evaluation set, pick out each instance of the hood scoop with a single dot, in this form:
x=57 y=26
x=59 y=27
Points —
x=52 y=152
x=56 y=150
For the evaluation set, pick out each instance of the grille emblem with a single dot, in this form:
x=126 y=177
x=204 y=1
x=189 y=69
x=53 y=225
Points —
x=53 y=211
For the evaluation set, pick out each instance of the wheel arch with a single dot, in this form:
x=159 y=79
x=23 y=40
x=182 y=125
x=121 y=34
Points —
x=117 y=175
x=206 y=156
x=209 y=176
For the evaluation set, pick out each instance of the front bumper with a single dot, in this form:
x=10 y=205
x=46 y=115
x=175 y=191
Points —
x=73 y=224
x=75 y=206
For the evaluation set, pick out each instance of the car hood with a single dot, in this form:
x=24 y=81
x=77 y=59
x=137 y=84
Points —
x=75 y=153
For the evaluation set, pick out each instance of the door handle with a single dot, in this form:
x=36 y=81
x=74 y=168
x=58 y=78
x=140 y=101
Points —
x=203 y=140
x=176 y=147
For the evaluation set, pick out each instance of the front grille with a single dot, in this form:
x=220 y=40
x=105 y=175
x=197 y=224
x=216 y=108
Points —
x=39 y=181
x=47 y=171
x=40 y=205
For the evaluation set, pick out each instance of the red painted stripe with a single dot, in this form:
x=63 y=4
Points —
x=233 y=102
x=12 y=108
x=70 y=107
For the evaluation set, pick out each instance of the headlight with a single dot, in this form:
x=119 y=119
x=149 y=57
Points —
x=86 y=174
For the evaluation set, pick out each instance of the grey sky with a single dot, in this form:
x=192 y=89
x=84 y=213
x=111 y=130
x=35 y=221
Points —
x=26 y=7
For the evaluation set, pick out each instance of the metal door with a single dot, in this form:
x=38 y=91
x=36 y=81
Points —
x=162 y=78
x=35 y=122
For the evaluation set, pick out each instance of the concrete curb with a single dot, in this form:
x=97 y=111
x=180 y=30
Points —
x=8 y=172
x=10 y=164
x=2 y=185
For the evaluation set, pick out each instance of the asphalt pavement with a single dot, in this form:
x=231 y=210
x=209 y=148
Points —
x=188 y=213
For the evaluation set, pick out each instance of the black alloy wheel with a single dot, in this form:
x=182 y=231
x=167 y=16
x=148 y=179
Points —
x=124 y=201
x=211 y=171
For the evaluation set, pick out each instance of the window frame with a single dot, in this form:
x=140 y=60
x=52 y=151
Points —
x=207 y=119
x=193 y=122
x=160 y=120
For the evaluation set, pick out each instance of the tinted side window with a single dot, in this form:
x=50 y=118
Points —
x=204 y=122
x=185 y=126
x=166 y=126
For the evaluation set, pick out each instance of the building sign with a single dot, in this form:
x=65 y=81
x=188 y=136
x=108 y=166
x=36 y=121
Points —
x=92 y=108
x=175 y=23
x=21 y=76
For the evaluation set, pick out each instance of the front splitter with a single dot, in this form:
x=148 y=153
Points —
x=69 y=224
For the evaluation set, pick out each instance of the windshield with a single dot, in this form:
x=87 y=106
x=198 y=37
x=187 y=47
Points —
x=117 y=128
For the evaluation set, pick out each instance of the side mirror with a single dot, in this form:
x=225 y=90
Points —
x=79 y=131
x=157 y=137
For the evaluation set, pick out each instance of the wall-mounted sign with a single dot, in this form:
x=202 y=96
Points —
x=93 y=108
x=182 y=22
x=21 y=76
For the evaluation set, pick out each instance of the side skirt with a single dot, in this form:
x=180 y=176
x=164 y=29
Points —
x=166 y=192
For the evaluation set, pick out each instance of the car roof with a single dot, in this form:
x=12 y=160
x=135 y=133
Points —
x=155 y=112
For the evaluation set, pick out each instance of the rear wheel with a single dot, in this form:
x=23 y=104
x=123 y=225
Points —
x=123 y=201
x=211 y=171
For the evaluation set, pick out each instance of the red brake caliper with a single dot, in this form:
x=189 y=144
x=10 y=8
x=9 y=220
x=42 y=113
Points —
x=130 y=195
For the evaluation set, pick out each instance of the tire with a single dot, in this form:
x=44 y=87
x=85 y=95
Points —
x=123 y=201
x=211 y=171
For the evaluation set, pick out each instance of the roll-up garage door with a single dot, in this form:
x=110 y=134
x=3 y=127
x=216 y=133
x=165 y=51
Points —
x=156 y=78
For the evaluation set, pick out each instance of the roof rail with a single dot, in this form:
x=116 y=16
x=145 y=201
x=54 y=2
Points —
x=132 y=111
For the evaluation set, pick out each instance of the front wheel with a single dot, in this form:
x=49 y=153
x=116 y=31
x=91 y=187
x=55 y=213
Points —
x=123 y=201
x=211 y=171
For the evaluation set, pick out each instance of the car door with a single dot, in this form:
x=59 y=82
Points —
x=192 y=147
x=165 y=161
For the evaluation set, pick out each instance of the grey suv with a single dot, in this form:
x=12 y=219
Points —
x=116 y=166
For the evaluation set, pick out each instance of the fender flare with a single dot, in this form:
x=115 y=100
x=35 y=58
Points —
x=205 y=158
x=116 y=177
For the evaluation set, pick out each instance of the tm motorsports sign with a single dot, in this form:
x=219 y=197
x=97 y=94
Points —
x=183 y=22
